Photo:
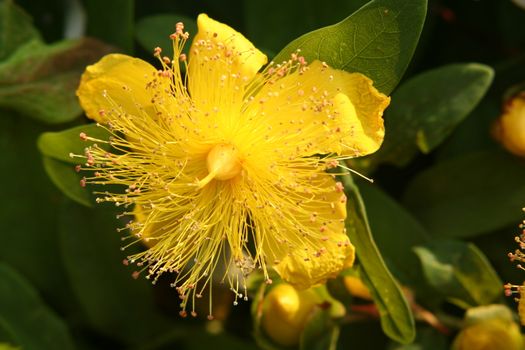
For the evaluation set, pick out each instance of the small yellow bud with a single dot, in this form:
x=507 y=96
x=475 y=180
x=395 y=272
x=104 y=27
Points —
x=285 y=313
x=489 y=335
x=509 y=129
x=489 y=327
x=356 y=287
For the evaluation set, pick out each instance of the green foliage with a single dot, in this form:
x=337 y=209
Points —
x=396 y=318
x=90 y=248
x=378 y=40
x=36 y=79
x=67 y=180
x=489 y=183
x=154 y=31
x=320 y=333
x=396 y=232
x=39 y=80
x=427 y=108
x=111 y=21
x=427 y=339
x=30 y=323
x=289 y=23
x=16 y=28
x=461 y=272
x=28 y=217
x=58 y=148
x=60 y=145
x=442 y=186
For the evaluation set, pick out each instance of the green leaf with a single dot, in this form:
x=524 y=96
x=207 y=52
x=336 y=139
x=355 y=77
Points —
x=378 y=40
x=153 y=31
x=427 y=339
x=5 y=346
x=32 y=324
x=275 y=31
x=396 y=232
x=40 y=80
x=460 y=272
x=111 y=21
x=427 y=108
x=28 y=219
x=67 y=180
x=396 y=318
x=321 y=332
x=469 y=194
x=58 y=145
x=16 y=28
x=115 y=304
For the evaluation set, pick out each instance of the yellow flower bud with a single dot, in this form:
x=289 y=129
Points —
x=356 y=287
x=489 y=327
x=286 y=311
x=488 y=335
x=509 y=129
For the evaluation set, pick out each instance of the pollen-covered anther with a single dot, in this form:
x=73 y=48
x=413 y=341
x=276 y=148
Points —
x=157 y=51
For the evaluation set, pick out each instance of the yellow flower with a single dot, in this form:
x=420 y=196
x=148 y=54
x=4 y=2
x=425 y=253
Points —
x=286 y=312
x=509 y=128
x=489 y=327
x=226 y=165
x=518 y=290
x=356 y=287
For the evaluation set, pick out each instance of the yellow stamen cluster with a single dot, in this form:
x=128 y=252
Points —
x=519 y=290
x=225 y=169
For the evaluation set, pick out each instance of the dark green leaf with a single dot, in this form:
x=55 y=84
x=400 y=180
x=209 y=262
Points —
x=427 y=339
x=203 y=340
x=378 y=40
x=427 y=108
x=396 y=318
x=275 y=31
x=115 y=303
x=396 y=232
x=33 y=325
x=28 y=217
x=67 y=180
x=40 y=80
x=111 y=21
x=16 y=28
x=59 y=145
x=155 y=31
x=362 y=335
x=468 y=195
x=460 y=272
x=320 y=333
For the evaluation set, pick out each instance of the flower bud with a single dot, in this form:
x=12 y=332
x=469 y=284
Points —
x=509 y=129
x=489 y=327
x=356 y=287
x=286 y=311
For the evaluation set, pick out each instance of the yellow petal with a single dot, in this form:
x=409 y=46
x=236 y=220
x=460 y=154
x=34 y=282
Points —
x=322 y=110
x=222 y=61
x=304 y=267
x=303 y=271
x=510 y=127
x=116 y=82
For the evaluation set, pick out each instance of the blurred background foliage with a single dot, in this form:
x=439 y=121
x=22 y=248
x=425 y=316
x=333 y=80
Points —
x=443 y=209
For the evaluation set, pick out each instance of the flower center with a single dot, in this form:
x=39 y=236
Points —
x=223 y=164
